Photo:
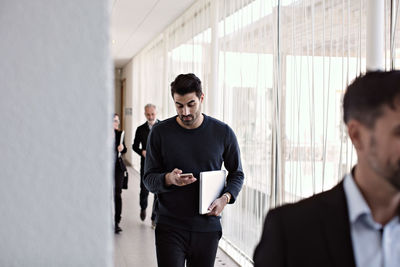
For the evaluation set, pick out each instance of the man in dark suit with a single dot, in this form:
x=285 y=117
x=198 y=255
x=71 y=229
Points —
x=139 y=146
x=356 y=223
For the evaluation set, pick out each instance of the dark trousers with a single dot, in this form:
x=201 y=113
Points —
x=118 y=177
x=174 y=246
x=144 y=194
x=117 y=204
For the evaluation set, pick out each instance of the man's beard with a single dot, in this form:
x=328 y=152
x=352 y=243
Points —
x=187 y=122
x=394 y=177
x=390 y=172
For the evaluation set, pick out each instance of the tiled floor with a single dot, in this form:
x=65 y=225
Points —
x=134 y=246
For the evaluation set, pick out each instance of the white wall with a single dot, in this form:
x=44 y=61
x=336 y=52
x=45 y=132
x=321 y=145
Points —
x=129 y=119
x=55 y=141
x=136 y=97
x=117 y=91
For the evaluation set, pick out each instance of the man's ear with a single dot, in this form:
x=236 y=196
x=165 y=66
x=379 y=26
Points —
x=202 y=98
x=355 y=130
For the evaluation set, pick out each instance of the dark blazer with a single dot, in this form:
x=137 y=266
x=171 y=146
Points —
x=140 y=142
x=314 y=232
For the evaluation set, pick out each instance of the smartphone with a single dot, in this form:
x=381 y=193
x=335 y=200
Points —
x=186 y=175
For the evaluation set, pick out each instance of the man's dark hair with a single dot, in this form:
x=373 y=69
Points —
x=185 y=84
x=367 y=94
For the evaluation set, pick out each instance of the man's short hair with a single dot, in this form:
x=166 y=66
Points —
x=367 y=94
x=185 y=84
x=150 y=106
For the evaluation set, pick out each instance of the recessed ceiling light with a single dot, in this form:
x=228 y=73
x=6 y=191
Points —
x=113 y=42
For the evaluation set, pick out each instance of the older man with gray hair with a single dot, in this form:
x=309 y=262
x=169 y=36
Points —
x=139 y=146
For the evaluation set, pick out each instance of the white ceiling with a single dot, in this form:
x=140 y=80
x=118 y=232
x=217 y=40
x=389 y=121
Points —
x=134 y=23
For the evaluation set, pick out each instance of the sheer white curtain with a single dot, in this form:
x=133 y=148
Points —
x=182 y=48
x=283 y=66
x=392 y=36
x=321 y=47
x=247 y=37
x=396 y=36
x=152 y=75
x=188 y=42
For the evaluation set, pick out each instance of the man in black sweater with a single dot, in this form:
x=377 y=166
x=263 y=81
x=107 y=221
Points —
x=139 y=146
x=190 y=142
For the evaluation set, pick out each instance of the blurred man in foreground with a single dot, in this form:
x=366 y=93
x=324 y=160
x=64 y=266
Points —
x=357 y=222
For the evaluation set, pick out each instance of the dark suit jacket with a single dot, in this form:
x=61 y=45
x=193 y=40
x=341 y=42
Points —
x=314 y=232
x=140 y=142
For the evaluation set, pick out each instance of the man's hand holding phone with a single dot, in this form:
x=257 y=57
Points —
x=176 y=177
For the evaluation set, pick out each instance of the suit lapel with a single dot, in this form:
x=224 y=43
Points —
x=336 y=227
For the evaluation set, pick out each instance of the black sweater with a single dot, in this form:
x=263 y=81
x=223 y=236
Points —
x=202 y=149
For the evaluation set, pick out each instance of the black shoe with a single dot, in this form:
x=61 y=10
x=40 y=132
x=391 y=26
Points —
x=117 y=229
x=143 y=214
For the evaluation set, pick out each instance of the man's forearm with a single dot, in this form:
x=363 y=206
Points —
x=155 y=182
x=234 y=184
x=136 y=148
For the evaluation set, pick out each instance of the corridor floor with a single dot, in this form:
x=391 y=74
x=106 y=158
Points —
x=134 y=246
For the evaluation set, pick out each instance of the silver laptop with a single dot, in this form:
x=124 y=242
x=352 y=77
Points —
x=212 y=183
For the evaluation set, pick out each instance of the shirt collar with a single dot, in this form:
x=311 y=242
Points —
x=355 y=201
x=358 y=207
x=151 y=126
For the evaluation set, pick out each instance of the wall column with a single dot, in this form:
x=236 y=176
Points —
x=375 y=35
x=56 y=107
